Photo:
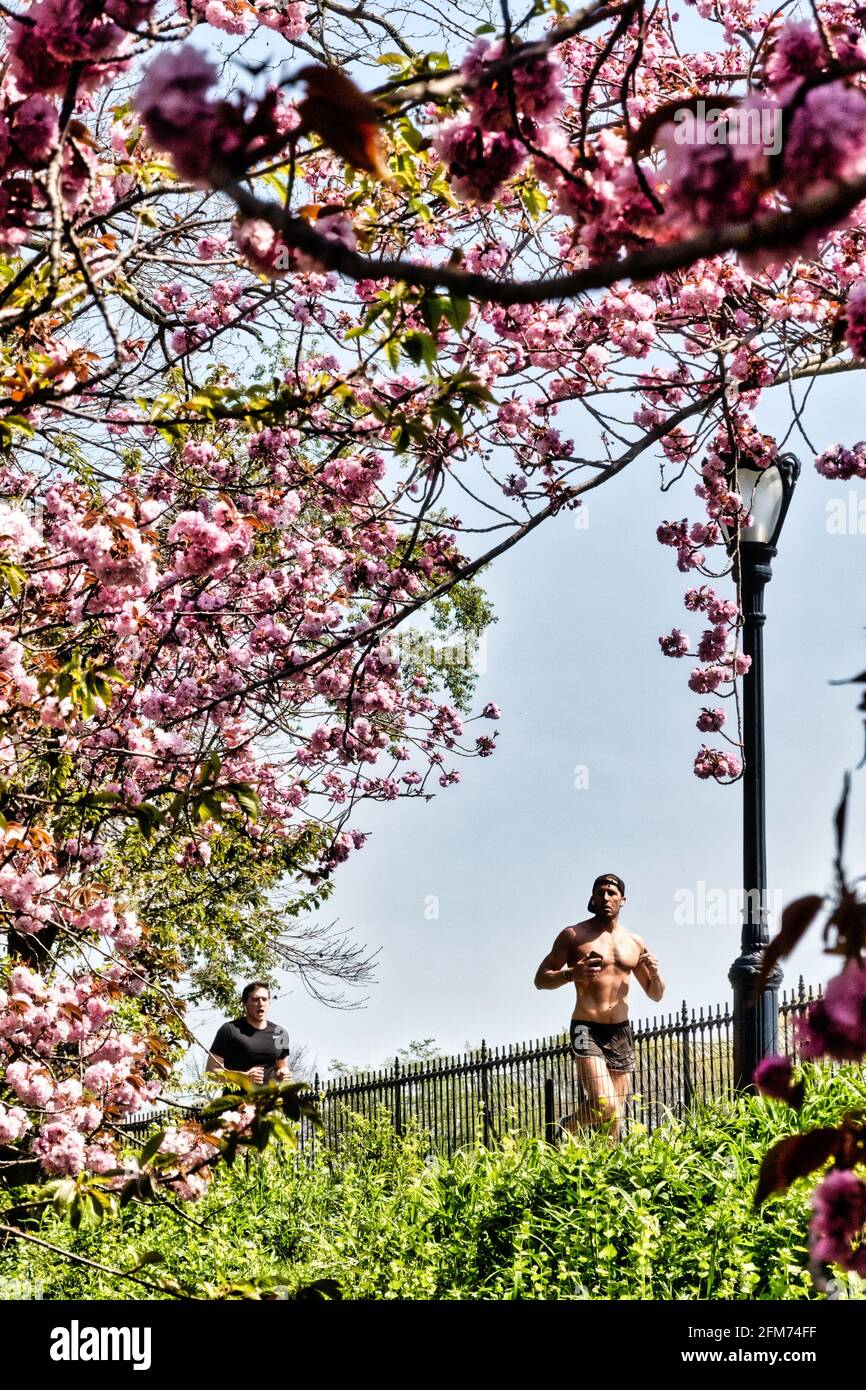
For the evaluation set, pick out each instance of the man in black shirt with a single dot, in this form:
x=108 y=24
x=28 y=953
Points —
x=250 y=1044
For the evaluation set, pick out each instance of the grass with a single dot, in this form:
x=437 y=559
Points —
x=666 y=1215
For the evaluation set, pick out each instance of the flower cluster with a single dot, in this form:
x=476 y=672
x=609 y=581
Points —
x=710 y=179
x=676 y=643
x=714 y=762
x=774 y=1077
x=838 y=1221
x=206 y=138
x=835 y=1025
x=509 y=117
x=839 y=462
x=70 y=1071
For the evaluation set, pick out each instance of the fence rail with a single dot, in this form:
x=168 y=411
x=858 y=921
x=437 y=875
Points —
x=526 y=1088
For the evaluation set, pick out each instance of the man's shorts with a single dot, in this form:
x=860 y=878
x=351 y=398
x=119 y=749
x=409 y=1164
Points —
x=613 y=1042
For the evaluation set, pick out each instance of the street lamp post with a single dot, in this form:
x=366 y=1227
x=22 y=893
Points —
x=766 y=495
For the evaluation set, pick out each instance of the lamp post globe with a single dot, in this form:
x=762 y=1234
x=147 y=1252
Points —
x=766 y=495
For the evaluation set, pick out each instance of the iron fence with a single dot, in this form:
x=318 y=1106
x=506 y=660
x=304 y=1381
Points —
x=528 y=1088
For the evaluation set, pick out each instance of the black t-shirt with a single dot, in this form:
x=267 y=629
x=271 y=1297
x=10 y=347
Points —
x=242 y=1046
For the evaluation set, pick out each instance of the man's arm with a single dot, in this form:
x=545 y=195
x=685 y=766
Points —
x=553 y=970
x=215 y=1063
x=217 y=1053
x=647 y=973
x=282 y=1070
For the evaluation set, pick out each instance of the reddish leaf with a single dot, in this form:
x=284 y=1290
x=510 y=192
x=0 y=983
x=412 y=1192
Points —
x=839 y=821
x=796 y=918
x=344 y=118
x=849 y=923
x=311 y=212
x=795 y=1157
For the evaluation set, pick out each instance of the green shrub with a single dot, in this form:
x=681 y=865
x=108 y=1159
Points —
x=666 y=1215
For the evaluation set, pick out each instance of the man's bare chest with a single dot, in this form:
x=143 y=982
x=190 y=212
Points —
x=618 y=949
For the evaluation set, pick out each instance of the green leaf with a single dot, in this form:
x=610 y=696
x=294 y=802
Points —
x=150 y=1257
x=210 y=768
x=534 y=200
x=208 y=806
x=400 y=438
x=411 y=135
x=14 y=576
x=432 y=307
x=63 y=1193
x=420 y=347
x=446 y=411
x=101 y=688
x=248 y=800
x=458 y=309
x=19 y=422
x=148 y=817
x=151 y=1147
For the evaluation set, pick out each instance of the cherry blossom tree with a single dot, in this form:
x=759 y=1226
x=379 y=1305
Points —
x=290 y=354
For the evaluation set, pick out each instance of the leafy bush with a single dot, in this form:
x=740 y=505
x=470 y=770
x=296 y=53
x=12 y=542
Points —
x=666 y=1215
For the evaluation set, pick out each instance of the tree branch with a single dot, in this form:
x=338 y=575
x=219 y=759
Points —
x=771 y=230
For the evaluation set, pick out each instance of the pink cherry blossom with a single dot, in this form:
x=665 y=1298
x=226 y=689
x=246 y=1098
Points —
x=838 y=1218
x=835 y=1025
x=677 y=643
x=774 y=1077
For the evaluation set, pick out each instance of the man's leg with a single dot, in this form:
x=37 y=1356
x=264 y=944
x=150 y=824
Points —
x=622 y=1081
x=601 y=1105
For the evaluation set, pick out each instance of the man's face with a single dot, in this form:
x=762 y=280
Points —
x=256 y=1007
x=607 y=901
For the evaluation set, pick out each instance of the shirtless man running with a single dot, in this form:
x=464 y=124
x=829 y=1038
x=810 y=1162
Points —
x=598 y=956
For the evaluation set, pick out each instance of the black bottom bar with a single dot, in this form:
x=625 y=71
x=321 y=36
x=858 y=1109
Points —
x=237 y=1337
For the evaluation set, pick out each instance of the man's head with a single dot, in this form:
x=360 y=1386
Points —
x=256 y=999
x=607 y=896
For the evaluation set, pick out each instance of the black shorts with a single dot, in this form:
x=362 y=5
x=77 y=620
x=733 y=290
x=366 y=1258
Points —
x=613 y=1042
